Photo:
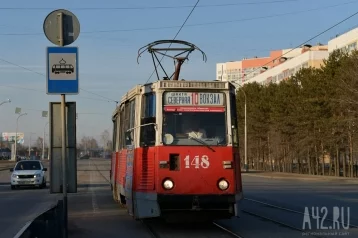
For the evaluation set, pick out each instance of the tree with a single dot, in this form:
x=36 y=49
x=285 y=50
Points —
x=38 y=143
x=296 y=124
x=88 y=143
x=105 y=137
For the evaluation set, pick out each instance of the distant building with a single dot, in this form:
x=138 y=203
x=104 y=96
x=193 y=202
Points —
x=247 y=68
x=347 y=41
x=309 y=57
x=281 y=64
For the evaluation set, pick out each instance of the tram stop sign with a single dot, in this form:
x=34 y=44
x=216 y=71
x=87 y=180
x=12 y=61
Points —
x=70 y=24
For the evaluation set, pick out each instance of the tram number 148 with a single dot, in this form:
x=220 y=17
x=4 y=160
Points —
x=197 y=162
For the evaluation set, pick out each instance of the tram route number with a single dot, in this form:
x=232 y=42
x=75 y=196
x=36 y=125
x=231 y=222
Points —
x=197 y=162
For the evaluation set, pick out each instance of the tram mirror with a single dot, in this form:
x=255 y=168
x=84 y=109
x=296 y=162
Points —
x=128 y=137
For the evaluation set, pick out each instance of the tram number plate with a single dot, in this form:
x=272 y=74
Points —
x=197 y=162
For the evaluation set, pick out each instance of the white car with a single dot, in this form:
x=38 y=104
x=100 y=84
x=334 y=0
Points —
x=28 y=173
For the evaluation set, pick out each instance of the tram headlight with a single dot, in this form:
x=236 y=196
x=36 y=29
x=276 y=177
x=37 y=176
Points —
x=223 y=184
x=168 y=184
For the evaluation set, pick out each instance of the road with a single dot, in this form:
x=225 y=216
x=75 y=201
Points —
x=93 y=213
x=297 y=193
x=19 y=206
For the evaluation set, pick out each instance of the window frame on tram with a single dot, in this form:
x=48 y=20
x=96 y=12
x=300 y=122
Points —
x=148 y=115
x=127 y=115
x=225 y=105
x=115 y=130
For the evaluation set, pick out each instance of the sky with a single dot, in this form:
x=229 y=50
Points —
x=111 y=35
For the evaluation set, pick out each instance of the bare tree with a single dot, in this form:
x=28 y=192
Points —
x=38 y=143
x=105 y=137
x=88 y=143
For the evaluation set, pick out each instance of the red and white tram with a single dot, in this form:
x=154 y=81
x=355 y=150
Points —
x=176 y=150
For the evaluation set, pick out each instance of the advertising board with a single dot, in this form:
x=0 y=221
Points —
x=10 y=137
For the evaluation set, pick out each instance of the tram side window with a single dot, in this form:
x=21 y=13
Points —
x=114 y=134
x=132 y=119
x=121 y=129
x=147 y=132
x=233 y=109
x=128 y=123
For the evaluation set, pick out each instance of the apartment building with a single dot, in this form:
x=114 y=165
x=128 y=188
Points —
x=247 y=68
x=347 y=41
x=309 y=57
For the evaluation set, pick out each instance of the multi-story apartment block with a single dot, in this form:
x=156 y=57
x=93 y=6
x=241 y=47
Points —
x=282 y=64
x=309 y=57
x=244 y=70
x=347 y=41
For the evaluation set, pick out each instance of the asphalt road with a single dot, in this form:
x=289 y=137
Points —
x=17 y=207
x=297 y=195
x=93 y=213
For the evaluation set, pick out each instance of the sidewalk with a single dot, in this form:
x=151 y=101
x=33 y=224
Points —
x=281 y=175
x=94 y=214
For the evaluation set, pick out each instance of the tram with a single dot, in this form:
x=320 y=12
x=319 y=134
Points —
x=176 y=149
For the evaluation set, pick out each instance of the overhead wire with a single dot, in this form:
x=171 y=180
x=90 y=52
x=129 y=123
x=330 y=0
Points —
x=187 y=18
x=41 y=74
x=154 y=7
x=196 y=24
x=199 y=24
x=305 y=42
x=87 y=113
x=43 y=91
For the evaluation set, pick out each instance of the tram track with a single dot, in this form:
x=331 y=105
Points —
x=99 y=171
x=289 y=210
x=215 y=230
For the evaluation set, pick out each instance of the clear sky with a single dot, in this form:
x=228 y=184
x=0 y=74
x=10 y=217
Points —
x=110 y=38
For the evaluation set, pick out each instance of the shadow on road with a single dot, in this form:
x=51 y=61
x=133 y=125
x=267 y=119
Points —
x=93 y=185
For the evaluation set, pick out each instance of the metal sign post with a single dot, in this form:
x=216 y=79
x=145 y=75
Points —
x=62 y=28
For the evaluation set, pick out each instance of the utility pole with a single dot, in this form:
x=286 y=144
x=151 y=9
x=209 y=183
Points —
x=43 y=142
x=17 y=125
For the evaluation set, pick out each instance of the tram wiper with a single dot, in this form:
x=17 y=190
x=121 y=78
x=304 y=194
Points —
x=202 y=142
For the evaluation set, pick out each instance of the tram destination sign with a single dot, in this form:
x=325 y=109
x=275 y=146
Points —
x=193 y=99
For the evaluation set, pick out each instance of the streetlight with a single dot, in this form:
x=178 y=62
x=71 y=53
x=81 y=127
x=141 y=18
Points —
x=43 y=142
x=17 y=125
x=245 y=146
x=30 y=144
x=246 y=164
x=6 y=101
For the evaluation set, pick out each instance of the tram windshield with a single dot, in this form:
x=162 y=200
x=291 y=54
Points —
x=194 y=128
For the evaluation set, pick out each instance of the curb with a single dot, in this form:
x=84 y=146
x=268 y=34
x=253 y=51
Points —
x=345 y=180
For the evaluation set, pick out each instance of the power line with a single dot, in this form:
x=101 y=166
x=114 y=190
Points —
x=193 y=25
x=173 y=39
x=312 y=38
x=80 y=113
x=42 y=91
x=153 y=7
x=33 y=71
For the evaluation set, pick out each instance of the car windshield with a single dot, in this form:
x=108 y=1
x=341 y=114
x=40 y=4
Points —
x=194 y=128
x=28 y=165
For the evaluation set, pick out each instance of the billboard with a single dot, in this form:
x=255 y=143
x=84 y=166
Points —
x=10 y=137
